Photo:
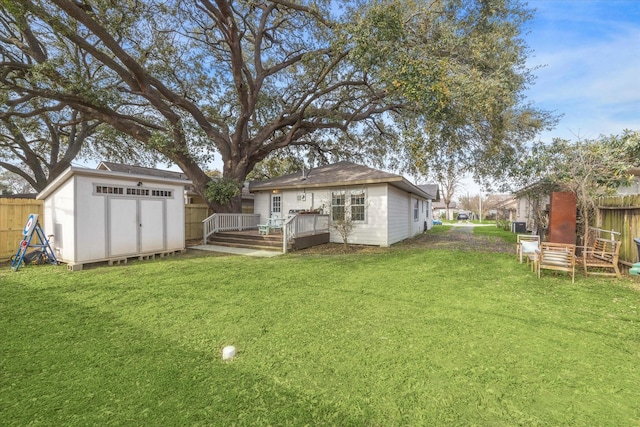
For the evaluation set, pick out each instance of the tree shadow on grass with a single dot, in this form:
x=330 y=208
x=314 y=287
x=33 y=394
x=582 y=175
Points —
x=67 y=364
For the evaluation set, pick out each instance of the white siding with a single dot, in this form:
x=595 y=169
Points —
x=372 y=231
x=59 y=212
x=175 y=219
x=417 y=224
x=261 y=205
x=382 y=201
x=90 y=227
x=399 y=215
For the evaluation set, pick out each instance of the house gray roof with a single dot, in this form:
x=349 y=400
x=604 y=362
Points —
x=141 y=170
x=432 y=190
x=336 y=175
x=440 y=205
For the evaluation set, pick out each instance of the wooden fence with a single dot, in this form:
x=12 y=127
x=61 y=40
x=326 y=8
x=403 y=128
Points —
x=622 y=214
x=13 y=217
x=193 y=216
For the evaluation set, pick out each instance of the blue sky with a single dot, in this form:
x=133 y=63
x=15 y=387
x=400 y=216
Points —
x=586 y=59
x=589 y=51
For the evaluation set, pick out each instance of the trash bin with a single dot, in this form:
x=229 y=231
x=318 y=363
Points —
x=635 y=270
x=519 y=227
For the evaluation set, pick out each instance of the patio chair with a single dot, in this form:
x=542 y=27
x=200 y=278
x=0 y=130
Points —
x=557 y=257
x=272 y=224
x=527 y=245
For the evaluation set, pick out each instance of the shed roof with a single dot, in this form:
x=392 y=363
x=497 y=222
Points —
x=337 y=175
x=141 y=170
x=106 y=174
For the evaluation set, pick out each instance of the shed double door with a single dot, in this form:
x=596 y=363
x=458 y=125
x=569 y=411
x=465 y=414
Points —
x=135 y=226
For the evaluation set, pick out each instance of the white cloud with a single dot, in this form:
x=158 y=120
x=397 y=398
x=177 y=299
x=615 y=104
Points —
x=592 y=58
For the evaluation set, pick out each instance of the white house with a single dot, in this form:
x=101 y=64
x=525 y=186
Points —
x=100 y=215
x=385 y=207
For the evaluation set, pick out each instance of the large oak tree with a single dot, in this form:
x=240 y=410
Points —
x=243 y=79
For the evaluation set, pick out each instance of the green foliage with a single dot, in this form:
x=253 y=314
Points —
x=589 y=168
x=275 y=166
x=333 y=79
x=405 y=337
x=222 y=190
x=461 y=66
x=500 y=232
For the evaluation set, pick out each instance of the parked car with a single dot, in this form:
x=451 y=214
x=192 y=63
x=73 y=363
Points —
x=463 y=216
x=437 y=222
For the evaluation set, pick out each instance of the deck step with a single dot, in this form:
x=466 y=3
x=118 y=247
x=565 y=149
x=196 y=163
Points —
x=271 y=242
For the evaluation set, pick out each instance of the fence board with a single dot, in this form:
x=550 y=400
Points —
x=622 y=214
x=193 y=216
x=13 y=216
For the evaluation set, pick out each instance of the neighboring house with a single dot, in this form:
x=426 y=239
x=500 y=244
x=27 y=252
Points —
x=531 y=201
x=634 y=188
x=440 y=209
x=385 y=207
x=534 y=199
x=499 y=205
x=507 y=209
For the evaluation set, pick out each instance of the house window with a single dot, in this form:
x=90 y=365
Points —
x=415 y=210
x=350 y=204
x=338 y=201
x=357 y=205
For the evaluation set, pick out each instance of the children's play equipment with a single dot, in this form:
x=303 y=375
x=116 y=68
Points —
x=36 y=250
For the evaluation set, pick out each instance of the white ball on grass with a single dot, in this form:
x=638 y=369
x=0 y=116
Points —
x=228 y=352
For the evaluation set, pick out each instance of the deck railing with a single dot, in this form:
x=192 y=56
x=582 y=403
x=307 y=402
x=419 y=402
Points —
x=303 y=225
x=228 y=221
x=294 y=226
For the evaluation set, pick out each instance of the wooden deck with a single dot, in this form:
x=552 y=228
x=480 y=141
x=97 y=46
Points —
x=251 y=239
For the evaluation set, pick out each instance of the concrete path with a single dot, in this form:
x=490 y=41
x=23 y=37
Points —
x=236 y=251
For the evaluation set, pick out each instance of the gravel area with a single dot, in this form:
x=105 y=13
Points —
x=457 y=238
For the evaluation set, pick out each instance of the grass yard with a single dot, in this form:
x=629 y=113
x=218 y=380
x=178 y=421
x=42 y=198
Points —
x=400 y=338
x=496 y=233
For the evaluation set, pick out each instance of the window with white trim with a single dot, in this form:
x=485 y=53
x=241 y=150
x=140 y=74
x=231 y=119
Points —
x=415 y=210
x=338 y=204
x=357 y=205
x=349 y=204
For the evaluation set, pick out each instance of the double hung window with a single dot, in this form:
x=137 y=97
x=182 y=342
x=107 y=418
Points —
x=349 y=205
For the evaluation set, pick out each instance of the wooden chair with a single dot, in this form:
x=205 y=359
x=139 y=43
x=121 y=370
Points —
x=527 y=244
x=603 y=255
x=558 y=257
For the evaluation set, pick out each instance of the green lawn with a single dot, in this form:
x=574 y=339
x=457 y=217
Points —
x=402 y=338
x=496 y=233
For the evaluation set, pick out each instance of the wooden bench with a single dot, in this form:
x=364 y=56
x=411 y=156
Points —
x=602 y=256
x=558 y=257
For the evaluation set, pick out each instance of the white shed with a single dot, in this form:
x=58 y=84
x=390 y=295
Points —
x=100 y=215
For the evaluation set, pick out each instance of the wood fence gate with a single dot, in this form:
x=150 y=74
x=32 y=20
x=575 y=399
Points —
x=622 y=214
x=13 y=216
